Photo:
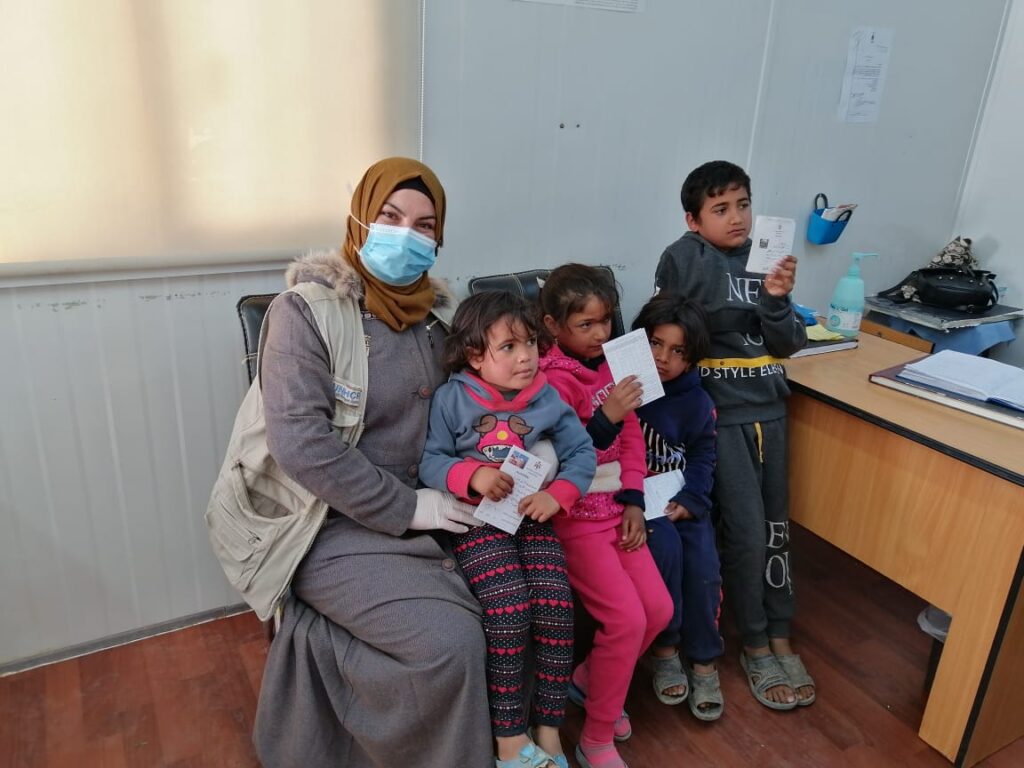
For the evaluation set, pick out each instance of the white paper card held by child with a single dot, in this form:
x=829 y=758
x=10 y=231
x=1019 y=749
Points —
x=770 y=242
x=630 y=355
x=527 y=472
x=658 y=492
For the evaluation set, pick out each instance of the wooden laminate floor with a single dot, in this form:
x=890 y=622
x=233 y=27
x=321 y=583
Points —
x=188 y=698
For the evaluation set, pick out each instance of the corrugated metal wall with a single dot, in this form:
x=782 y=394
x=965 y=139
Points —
x=116 y=402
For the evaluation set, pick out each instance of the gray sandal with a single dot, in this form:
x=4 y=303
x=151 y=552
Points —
x=668 y=673
x=795 y=670
x=705 y=690
x=763 y=674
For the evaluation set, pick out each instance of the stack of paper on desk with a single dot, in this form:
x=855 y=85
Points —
x=976 y=377
x=820 y=339
x=893 y=379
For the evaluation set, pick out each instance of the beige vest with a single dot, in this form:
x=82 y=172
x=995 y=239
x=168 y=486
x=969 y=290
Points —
x=261 y=522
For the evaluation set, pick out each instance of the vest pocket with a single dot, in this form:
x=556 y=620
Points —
x=241 y=536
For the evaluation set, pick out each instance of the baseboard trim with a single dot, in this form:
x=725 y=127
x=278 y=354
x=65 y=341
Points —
x=122 y=638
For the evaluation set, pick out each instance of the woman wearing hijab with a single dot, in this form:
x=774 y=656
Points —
x=379 y=660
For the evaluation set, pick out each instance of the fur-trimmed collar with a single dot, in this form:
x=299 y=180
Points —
x=330 y=268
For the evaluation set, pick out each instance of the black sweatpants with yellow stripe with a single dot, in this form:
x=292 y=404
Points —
x=752 y=501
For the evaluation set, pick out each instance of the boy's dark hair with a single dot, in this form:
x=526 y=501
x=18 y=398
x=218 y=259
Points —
x=474 y=316
x=666 y=309
x=711 y=180
x=568 y=288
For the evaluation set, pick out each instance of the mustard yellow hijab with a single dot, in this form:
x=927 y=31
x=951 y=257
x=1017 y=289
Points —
x=402 y=305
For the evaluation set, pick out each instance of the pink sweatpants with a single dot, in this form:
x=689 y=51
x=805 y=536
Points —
x=626 y=596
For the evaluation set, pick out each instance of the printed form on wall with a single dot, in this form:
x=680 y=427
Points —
x=867 y=61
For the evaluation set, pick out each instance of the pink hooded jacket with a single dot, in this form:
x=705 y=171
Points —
x=586 y=390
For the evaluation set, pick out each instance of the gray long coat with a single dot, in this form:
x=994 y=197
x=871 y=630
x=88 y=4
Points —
x=380 y=657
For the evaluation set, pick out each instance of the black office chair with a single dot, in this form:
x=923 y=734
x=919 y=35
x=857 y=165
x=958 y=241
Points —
x=528 y=283
x=251 y=311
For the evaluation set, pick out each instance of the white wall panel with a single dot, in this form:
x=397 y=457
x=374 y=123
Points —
x=657 y=93
x=990 y=209
x=117 y=399
x=639 y=96
x=907 y=169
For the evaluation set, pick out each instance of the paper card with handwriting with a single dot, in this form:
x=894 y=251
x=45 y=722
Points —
x=658 y=492
x=630 y=355
x=527 y=472
x=770 y=241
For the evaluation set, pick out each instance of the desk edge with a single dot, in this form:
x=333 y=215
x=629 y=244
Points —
x=1012 y=596
x=986 y=466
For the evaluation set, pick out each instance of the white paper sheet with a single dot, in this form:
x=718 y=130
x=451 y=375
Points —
x=770 y=241
x=630 y=355
x=867 y=61
x=527 y=472
x=659 y=490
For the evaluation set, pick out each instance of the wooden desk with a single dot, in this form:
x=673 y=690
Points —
x=933 y=498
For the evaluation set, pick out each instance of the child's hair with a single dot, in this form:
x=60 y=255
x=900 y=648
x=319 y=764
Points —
x=569 y=287
x=473 y=318
x=711 y=180
x=666 y=309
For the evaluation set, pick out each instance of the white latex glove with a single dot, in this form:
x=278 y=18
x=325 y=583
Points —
x=436 y=509
x=544 y=449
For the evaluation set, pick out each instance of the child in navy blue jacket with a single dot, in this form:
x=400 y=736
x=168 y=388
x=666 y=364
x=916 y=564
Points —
x=679 y=431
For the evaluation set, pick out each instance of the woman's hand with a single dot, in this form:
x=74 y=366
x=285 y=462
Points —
x=439 y=510
x=780 y=280
x=491 y=483
x=675 y=512
x=624 y=398
x=634 y=532
x=540 y=506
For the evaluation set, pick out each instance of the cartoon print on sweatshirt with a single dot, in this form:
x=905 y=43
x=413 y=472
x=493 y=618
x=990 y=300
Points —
x=497 y=437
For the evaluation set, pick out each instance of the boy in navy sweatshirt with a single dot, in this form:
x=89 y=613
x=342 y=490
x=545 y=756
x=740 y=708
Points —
x=753 y=326
x=679 y=431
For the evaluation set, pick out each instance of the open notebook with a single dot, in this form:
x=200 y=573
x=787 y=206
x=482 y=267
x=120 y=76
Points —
x=893 y=379
x=978 y=378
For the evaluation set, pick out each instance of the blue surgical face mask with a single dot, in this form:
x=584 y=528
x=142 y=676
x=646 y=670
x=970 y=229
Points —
x=397 y=255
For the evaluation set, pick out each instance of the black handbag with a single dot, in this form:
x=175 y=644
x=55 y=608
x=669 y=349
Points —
x=958 y=288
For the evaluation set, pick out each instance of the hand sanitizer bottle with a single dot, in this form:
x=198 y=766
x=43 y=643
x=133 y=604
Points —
x=847 y=305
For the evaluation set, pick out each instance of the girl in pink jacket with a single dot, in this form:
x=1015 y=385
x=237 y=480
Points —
x=603 y=534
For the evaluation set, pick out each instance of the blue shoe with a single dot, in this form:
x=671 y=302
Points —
x=530 y=756
x=559 y=760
